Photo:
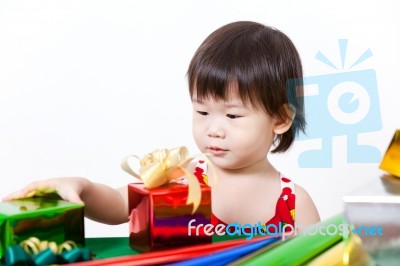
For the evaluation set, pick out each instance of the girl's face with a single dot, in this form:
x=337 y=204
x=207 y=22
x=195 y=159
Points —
x=237 y=136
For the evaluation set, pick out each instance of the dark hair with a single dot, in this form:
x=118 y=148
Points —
x=262 y=62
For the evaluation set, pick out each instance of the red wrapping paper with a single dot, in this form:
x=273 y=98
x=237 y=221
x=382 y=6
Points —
x=159 y=217
x=174 y=255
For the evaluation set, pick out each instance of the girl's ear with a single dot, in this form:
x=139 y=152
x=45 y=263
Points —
x=283 y=125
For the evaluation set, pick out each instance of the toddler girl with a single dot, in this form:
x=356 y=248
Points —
x=245 y=103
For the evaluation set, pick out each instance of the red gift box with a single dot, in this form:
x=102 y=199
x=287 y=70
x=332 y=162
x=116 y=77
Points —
x=159 y=217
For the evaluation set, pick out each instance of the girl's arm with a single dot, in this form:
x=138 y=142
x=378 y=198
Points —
x=105 y=204
x=102 y=203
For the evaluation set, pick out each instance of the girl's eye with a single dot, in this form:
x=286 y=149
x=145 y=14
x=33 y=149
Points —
x=233 y=116
x=202 y=113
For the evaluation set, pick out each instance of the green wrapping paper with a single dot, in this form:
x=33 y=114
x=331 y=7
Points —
x=46 y=219
x=297 y=250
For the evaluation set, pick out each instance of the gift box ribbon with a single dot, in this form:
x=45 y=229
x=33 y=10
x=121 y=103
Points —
x=161 y=166
x=35 y=252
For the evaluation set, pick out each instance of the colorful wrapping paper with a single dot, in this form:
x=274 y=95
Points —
x=297 y=250
x=331 y=257
x=46 y=219
x=159 y=217
x=173 y=255
x=226 y=256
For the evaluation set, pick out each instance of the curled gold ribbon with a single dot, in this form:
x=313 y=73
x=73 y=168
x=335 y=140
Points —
x=34 y=245
x=161 y=166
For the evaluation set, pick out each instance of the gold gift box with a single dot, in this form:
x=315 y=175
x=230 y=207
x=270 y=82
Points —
x=391 y=160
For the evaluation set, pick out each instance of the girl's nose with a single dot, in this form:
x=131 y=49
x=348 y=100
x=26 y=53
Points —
x=216 y=132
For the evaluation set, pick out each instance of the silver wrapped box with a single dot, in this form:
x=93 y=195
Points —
x=374 y=210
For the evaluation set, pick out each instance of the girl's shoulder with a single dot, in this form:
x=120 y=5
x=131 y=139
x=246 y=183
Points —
x=301 y=192
x=306 y=210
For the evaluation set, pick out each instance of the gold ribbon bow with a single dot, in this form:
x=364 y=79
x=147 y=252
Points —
x=161 y=166
x=33 y=245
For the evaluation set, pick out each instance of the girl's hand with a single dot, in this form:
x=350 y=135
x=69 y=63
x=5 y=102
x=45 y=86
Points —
x=68 y=188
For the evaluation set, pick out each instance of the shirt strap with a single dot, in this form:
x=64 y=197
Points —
x=287 y=183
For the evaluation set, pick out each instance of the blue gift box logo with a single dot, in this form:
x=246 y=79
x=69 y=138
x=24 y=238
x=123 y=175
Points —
x=341 y=104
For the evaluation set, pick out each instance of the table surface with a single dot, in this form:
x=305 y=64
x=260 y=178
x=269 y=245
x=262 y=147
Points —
x=108 y=247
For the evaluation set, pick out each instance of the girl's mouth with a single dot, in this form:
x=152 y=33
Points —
x=216 y=150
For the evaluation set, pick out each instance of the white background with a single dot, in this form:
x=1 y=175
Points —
x=85 y=83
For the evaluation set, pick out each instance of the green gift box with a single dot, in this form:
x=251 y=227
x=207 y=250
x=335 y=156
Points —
x=47 y=219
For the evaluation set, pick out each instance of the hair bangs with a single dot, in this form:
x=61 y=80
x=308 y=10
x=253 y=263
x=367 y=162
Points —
x=220 y=80
x=210 y=81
